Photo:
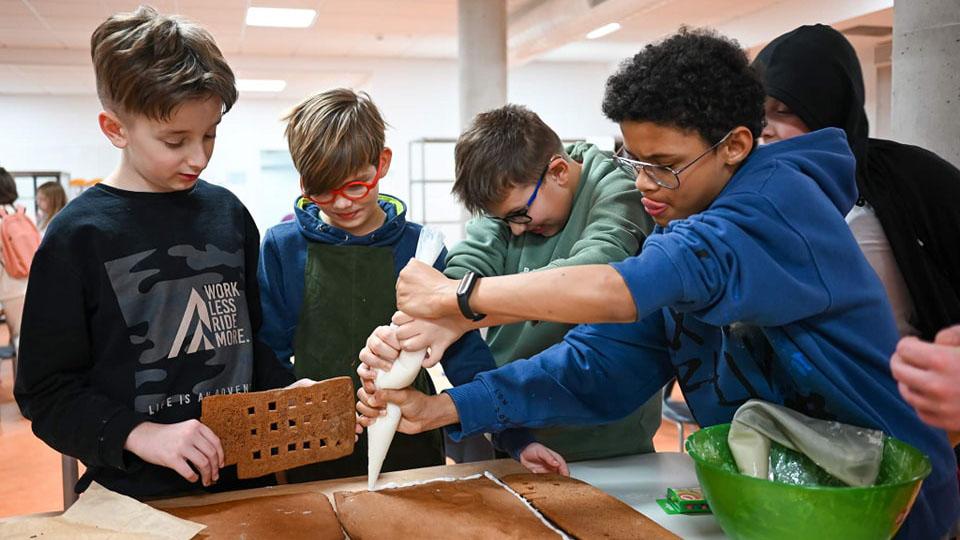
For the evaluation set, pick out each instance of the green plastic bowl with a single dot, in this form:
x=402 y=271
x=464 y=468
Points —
x=749 y=508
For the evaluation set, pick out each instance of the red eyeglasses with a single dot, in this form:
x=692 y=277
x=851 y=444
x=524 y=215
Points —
x=353 y=191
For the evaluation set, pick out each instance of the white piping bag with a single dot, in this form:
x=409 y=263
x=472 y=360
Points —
x=401 y=375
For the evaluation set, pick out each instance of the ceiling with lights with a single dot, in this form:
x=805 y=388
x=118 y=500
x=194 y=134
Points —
x=291 y=46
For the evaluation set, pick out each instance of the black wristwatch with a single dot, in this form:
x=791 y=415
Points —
x=464 y=290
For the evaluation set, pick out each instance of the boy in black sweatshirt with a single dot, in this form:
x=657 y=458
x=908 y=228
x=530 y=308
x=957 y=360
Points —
x=143 y=296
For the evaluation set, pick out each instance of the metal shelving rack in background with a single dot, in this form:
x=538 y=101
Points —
x=431 y=176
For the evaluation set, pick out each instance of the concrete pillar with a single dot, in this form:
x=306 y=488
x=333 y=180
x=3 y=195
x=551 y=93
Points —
x=482 y=39
x=926 y=75
x=482 y=36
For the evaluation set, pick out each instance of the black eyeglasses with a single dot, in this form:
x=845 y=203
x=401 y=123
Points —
x=521 y=215
x=663 y=176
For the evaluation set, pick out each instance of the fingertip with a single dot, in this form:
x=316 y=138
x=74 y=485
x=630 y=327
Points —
x=948 y=336
x=901 y=345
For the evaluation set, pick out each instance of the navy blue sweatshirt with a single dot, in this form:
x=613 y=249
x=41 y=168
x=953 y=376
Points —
x=763 y=295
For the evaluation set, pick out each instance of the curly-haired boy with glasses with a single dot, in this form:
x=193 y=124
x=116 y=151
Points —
x=751 y=287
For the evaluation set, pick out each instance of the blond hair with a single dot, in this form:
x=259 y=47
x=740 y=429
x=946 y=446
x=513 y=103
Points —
x=333 y=135
x=149 y=64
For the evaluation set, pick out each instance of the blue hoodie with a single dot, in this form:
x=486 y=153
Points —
x=283 y=259
x=767 y=297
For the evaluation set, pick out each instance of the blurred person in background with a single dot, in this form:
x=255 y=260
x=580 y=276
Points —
x=51 y=198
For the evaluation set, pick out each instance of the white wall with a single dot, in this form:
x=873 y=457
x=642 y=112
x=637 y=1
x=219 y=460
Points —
x=417 y=98
x=866 y=53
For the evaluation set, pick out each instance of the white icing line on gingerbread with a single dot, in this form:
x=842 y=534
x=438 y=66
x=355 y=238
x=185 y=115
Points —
x=395 y=485
x=529 y=506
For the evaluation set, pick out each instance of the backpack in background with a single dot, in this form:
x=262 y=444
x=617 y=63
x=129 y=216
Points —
x=20 y=239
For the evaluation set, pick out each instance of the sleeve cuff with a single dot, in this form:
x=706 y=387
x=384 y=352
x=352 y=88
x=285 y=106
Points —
x=455 y=272
x=652 y=278
x=513 y=441
x=475 y=408
x=114 y=431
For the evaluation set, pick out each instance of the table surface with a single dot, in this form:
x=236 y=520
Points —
x=640 y=480
x=636 y=480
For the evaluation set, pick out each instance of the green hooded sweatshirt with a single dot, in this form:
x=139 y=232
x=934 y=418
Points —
x=607 y=223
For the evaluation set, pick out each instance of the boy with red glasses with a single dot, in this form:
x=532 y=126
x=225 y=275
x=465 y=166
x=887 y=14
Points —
x=327 y=277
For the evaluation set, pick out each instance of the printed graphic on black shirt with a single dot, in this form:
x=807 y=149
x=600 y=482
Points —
x=186 y=315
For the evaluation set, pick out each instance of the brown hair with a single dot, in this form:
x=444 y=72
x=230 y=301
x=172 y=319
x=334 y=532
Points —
x=332 y=135
x=54 y=193
x=502 y=148
x=8 y=187
x=147 y=63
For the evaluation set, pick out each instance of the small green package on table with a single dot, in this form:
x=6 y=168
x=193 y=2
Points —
x=684 y=501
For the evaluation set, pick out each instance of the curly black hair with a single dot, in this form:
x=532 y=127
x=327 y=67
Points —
x=693 y=80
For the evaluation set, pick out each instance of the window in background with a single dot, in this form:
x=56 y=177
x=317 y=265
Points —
x=278 y=188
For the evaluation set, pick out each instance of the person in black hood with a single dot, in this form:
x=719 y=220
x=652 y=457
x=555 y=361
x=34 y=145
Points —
x=907 y=220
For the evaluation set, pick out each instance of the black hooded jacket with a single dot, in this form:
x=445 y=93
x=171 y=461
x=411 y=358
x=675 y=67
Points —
x=814 y=71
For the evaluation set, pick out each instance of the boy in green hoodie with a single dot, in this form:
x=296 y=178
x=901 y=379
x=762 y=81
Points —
x=541 y=205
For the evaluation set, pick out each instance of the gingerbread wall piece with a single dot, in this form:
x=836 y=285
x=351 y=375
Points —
x=474 y=508
x=275 y=430
x=291 y=517
x=583 y=511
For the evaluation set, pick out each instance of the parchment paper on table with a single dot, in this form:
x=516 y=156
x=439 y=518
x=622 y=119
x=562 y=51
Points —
x=101 y=514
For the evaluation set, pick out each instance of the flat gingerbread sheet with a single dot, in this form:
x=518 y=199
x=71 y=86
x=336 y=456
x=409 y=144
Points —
x=583 y=511
x=291 y=517
x=473 y=508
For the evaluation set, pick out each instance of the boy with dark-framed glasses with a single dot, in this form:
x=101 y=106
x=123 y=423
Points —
x=542 y=205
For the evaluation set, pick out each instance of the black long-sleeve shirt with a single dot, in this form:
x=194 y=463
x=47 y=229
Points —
x=138 y=306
